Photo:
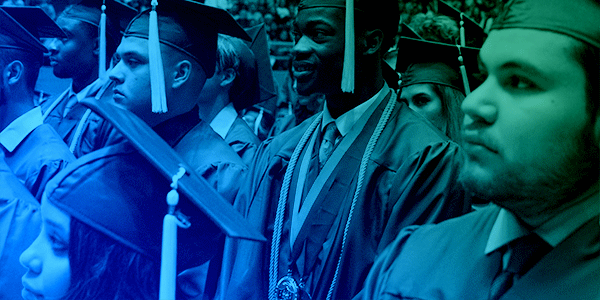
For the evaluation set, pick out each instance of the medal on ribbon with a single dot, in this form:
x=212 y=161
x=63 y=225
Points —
x=287 y=288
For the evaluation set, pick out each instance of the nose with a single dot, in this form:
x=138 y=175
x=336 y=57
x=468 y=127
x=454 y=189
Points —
x=30 y=258
x=116 y=73
x=53 y=47
x=301 y=48
x=479 y=106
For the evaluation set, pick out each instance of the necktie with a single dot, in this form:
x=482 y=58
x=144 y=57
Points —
x=526 y=252
x=331 y=137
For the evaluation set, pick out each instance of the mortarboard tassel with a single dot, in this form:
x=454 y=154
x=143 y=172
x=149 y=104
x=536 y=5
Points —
x=157 y=78
x=348 y=70
x=258 y=120
x=168 y=259
x=102 y=55
x=463 y=72
x=462 y=31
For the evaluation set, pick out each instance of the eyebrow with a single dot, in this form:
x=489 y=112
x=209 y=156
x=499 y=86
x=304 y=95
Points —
x=312 y=23
x=60 y=229
x=132 y=53
x=421 y=94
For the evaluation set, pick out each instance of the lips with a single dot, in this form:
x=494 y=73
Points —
x=117 y=95
x=474 y=141
x=302 y=70
x=28 y=294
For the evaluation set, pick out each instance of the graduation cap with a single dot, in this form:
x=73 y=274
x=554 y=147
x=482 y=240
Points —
x=266 y=105
x=109 y=16
x=256 y=83
x=25 y=35
x=188 y=26
x=126 y=193
x=437 y=63
x=578 y=19
x=471 y=34
x=35 y=20
x=382 y=12
x=409 y=32
x=260 y=47
x=117 y=14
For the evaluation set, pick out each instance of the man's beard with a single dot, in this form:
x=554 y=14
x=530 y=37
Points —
x=534 y=192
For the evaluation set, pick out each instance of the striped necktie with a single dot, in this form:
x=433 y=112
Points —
x=331 y=137
x=526 y=252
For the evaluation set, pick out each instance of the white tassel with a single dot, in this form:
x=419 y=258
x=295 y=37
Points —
x=463 y=72
x=168 y=265
x=168 y=256
x=462 y=31
x=102 y=55
x=348 y=70
x=157 y=78
x=258 y=121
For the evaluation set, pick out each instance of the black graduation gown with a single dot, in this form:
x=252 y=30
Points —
x=410 y=179
x=20 y=222
x=38 y=158
x=96 y=133
x=242 y=140
x=205 y=151
x=447 y=261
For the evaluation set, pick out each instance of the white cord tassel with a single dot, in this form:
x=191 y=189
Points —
x=462 y=31
x=102 y=55
x=463 y=72
x=168 y=265
x=348 y=70
x=258 y=121
x=168 y=257
x=157 y=78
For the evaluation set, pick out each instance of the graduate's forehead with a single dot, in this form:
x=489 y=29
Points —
x=54 y=218
x=540 y=52
x=319 y=16
x=133 y=46
x=71 y=26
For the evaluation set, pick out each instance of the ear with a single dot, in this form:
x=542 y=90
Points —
x=181 y=73
x=372 y=41
x=228 y=76
x=13 y=72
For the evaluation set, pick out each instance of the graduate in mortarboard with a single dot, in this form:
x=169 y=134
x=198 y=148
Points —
x=33 y=150
x=121 y=222
x=19 y=225
x=162 y=67
x=532 y=135
x=433 y=70
x=93 y=29
x=331 y=193
x=233 y=87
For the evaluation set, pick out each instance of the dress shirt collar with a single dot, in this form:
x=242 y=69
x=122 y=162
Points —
x=224 y=120
x=345 y=122
x=508 y=228
x=18 y=129
x=79 y=96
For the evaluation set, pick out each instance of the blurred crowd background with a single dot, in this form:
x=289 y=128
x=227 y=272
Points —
x=278 y=15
